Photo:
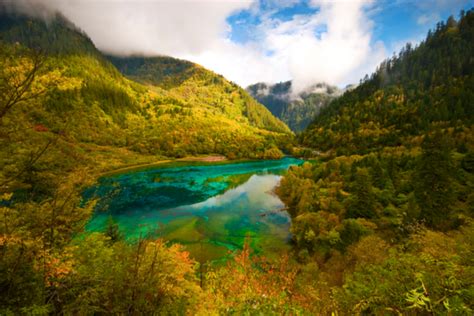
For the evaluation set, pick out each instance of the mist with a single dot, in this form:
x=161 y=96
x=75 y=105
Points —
x=199 y=31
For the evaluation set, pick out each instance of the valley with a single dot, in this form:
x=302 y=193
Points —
x=137 y=183
x=297 y=110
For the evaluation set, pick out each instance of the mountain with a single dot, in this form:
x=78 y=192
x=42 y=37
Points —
x=388 y=206
x=168 y=107
x=202 y=88
x=57 y=35
x=67 y=116
x=163 y=71
x=381 y=217
x=297 y=111
x=409 y=95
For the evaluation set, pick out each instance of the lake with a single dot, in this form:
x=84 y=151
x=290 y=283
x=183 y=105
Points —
x=210 y=208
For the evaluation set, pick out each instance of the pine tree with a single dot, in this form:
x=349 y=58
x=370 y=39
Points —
x=362 y=201
x=433 y=190
x=112 y=231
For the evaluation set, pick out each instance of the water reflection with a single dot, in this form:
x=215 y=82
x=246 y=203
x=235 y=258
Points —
x=210 y=209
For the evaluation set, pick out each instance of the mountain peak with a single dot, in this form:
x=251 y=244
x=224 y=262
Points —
x=53 y=35
x=297 y=110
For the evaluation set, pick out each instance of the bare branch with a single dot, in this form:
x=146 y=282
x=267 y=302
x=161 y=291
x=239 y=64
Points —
x=17 y=93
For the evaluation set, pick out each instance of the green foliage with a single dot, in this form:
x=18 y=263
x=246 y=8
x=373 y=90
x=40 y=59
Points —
x=385 y=210
x=112 y=231
x=406 y=97
x=199 y=112
x=19 y=280
x=433 y=181
x=381 y=221
x=165 y=72
x=272 y=153
x=362 y=202
x=209 y=90
x=300 y=113
x=152 y=277
x=430 y=277
x=56 y=36
x=316 y=232
x=74 y=117
x=353 y=230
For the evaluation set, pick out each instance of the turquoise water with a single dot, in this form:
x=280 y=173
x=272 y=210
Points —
x=209 y=208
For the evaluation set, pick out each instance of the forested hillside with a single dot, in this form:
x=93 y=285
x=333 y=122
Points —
x=419 y=90
x=200 y=87
x=381 y=217
x=296 y=110
x=386 y=210
x=200 y=114
x=66 y=116
x=57 y=36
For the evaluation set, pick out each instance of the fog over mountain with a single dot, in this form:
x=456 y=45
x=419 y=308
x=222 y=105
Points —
x=332 y=42
x=296 y=109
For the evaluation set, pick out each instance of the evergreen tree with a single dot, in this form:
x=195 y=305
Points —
x=362 y=201
x=113 y=230
x=467 y=162
x=433 y=185
x=378 y=174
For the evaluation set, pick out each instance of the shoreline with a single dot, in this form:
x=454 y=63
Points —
x=191 y=159
x=134 y=167
x=210 y=158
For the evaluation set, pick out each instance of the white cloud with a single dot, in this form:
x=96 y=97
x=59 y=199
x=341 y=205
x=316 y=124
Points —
x=340 y=55
x=148 y=26
x=431 y=10
x=197 y=30
x=429 y=18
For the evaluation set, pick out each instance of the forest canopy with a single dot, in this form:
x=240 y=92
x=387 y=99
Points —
x=381 y=215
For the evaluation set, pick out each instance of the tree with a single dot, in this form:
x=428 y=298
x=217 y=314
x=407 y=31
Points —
x=18 y=72
x=113 y=231
x=433 y=183
x=272 y=153
x=361 y=203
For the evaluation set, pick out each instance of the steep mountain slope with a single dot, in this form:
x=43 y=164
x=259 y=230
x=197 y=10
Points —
x=380 y=225
x=56 y=36
x=67 y=115
x=200 y=114
x=297 y=111
x=202 y=88
x=394 y=185
x=409 y=95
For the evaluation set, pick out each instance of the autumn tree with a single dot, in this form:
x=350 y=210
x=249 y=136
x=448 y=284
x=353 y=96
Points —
x=18 y=72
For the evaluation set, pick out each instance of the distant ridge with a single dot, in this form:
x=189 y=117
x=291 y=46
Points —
x=296 y=110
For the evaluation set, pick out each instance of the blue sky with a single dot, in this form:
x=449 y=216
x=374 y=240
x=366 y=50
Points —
x=383 y=27
x=395 y=21
x=399 y=21
x=249 y=41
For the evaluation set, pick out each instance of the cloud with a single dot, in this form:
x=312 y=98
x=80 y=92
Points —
x=340 y=53
x=431 y=10
x=428 y=18
x=332 y=42
x=146 y=26
x=436 y=6
x=253 y=194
